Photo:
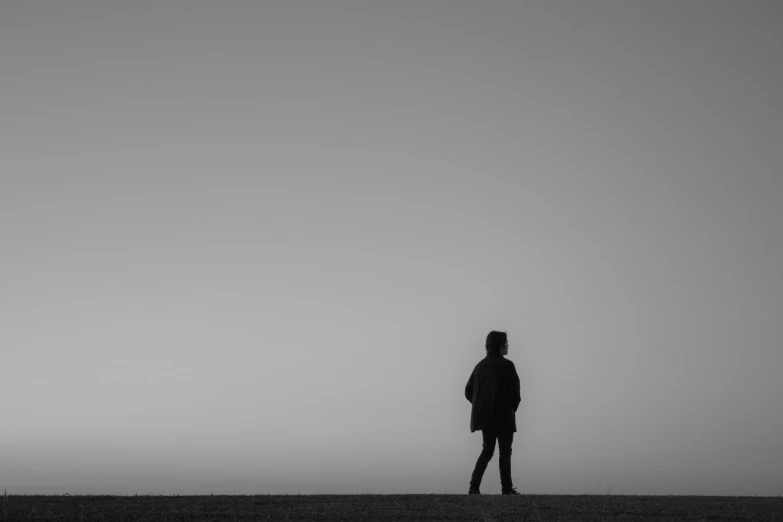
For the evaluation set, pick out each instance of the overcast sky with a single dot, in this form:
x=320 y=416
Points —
x=256 y=247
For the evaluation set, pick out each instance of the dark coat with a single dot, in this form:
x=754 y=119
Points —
x=493 y=390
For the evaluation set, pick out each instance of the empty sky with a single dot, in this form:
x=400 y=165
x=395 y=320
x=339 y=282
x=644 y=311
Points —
x=256 y=247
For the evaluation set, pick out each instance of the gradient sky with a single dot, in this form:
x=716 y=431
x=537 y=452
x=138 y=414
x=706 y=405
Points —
x=256 y=247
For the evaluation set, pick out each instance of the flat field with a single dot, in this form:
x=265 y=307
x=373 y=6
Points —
x=390 y=507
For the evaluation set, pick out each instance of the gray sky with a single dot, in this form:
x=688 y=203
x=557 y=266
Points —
x=256 y=247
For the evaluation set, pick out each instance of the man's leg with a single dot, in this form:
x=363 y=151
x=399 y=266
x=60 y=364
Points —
x=505 y=438
x=488 y=449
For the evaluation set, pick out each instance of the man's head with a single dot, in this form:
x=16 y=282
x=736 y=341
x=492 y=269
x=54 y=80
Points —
x=497 y=343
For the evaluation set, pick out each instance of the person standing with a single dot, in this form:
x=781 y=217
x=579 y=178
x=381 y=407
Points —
x=493 y=391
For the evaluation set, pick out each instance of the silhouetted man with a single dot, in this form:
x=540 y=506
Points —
x=493 y=390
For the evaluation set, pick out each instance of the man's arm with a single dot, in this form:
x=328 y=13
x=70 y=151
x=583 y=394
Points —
x=516 y=397
x=469 y=389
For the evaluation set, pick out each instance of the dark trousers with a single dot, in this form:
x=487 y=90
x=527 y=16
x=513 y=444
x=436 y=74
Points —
x=505 y=438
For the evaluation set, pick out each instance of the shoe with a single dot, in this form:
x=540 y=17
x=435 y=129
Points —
x=474 y=491
x=512 y=492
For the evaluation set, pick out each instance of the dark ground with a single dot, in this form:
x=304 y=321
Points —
x=391 y=507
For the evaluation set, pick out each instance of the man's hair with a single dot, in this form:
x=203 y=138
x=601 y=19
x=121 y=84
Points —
x=495 y=341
